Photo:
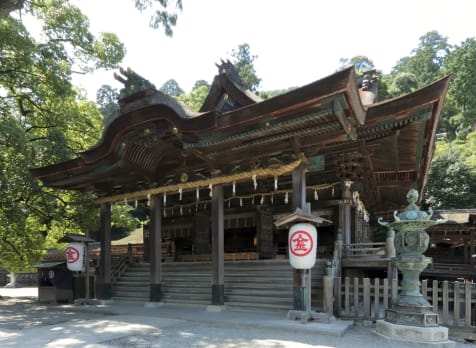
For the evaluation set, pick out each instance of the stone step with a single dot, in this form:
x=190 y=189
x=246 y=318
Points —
x=132 y=285
x=131 y=299
x=122 y=282
x=258 y=302
x=131 y=295
x=254 y=289
x=169 y=299
x=191 y=276
x=253 y=307
x=248 y=284
x=186 y=289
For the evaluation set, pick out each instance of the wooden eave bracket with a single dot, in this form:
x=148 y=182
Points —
x=338 y=111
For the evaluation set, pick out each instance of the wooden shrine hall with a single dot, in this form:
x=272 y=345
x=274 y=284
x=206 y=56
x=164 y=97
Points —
x=214 y=181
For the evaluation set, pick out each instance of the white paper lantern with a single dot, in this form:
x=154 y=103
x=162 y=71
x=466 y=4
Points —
x=75 y=257
x=302 y=241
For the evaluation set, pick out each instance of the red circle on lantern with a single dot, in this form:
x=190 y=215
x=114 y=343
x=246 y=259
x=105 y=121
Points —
x=301 y=248
x=72 y=254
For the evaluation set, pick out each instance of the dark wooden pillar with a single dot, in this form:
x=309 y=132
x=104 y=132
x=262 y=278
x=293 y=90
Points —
x=299 y=187
x=264 y=231
x=345 y=217
x=471 y=247
x=347 y=213
x=105 y=287
x=340 y=222
x=299 y=201
x=146 y=241
x=201 y=237
x=466 y=254
x=218 y=257
x=155 y=248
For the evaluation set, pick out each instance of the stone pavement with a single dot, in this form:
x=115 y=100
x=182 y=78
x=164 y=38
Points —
x=25 y=323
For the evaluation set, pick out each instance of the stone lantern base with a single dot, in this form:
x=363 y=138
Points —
x=434 y=336
x=424 y=318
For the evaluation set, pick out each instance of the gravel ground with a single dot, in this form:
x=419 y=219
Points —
x=25 y=313
x=25 y=323
x=199 y=335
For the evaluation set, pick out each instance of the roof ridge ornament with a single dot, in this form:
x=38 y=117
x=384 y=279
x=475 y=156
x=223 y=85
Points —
x=133 y=83
x=228 y=68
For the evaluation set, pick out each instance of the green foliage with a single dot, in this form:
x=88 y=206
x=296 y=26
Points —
x=451 y=184
x=17 y=232
x=200 y=83
x=194 y=100
x=243 y=61
x=162 y=17
x=426 y=61
x=461 y=63
x=106 y=100
x=464 y=147
x=403 y=83
x=43 y=120
x=270 y=94
x=362 y=64
x=171 y=88
x=383 y=87
x=121 y=217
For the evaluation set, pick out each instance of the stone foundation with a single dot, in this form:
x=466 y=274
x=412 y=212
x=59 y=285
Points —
x=435 y=336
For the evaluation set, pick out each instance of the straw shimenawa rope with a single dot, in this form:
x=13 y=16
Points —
x=259 y=172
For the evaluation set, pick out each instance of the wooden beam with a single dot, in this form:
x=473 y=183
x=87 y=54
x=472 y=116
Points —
x=299 y=186
x=338 y=110
x=471 y=247
x=396 y=158
x=296 y=144
x=419 y=149
x=155 y=245
x=299 y=201
x=199 y=154
x=218 y=255
x=373 y=189
x=148 y=175
x=105 y=292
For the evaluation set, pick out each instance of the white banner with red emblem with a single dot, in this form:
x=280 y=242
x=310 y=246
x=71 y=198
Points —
x=75 y=256
x=302 y=241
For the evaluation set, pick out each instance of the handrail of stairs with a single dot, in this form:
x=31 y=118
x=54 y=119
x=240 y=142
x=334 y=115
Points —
x=119 y=265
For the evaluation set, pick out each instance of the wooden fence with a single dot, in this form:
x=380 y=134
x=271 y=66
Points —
x=367 y=299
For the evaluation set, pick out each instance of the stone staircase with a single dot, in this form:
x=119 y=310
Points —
x=267 y=284
x=181 y=283
x=133 y=284
x=251 y=284
x=187 y=282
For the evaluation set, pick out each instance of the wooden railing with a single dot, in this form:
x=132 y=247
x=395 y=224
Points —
x=392 y=177
x=119 y=265
x=367 y=299
x=371 y=249
x=462 y=270
x=208 y=257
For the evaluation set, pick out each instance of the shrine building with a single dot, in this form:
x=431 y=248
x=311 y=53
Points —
x=215 y=182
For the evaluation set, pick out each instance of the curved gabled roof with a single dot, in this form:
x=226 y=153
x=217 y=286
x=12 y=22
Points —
x=155 y=140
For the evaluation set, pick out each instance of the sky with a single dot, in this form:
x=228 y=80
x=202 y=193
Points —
x=296 y=41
